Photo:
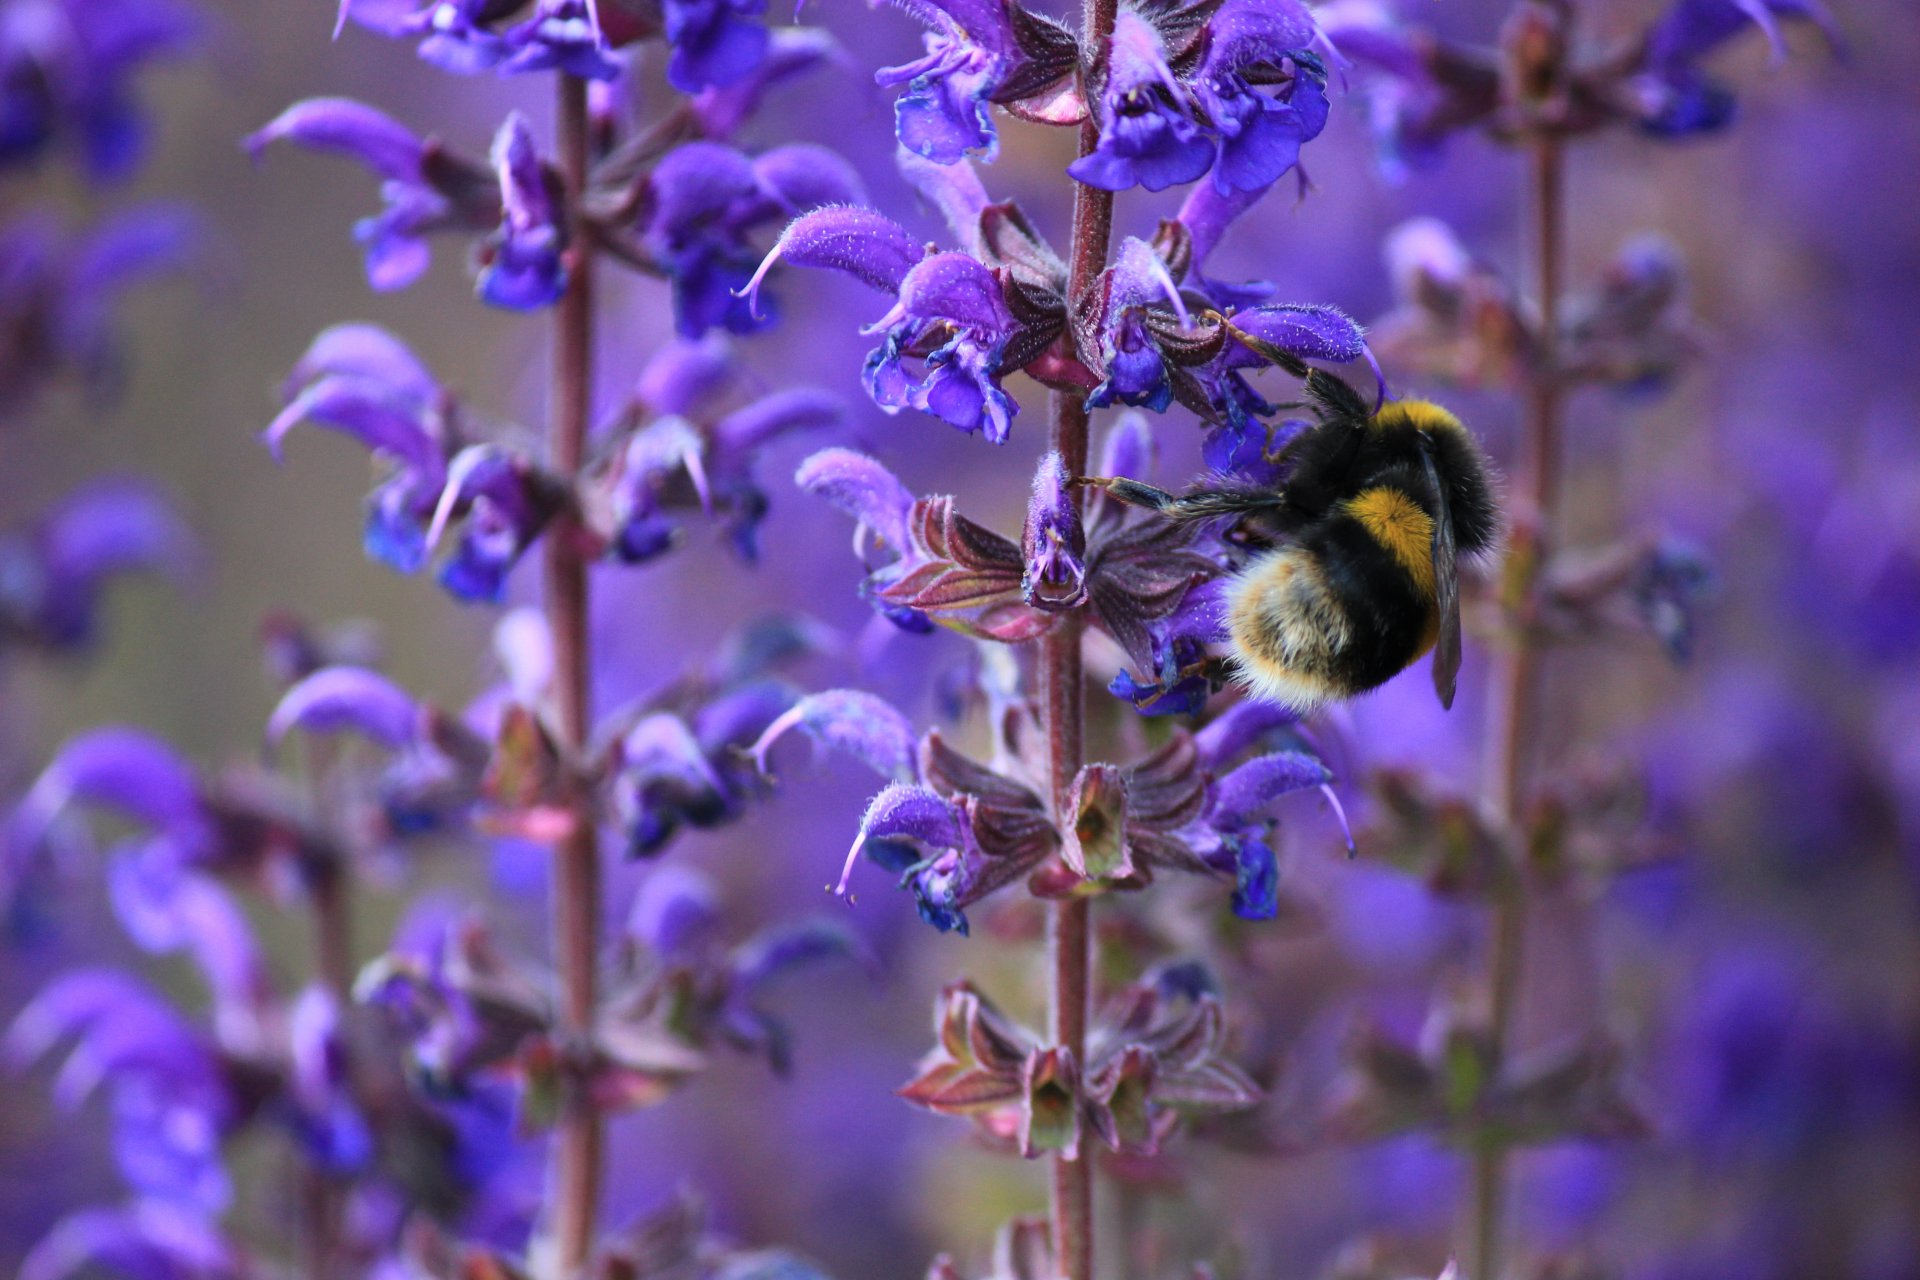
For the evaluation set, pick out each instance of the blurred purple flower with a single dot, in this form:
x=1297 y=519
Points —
x=174 y=1100
x=685 y=443
x=468 y=37
x=522 y=265
x=365 y=383
x=703 y=203
x=58 y=293
x=53 y=572
x=716 y=43
x=1675 y=98
x=66 y=76
x=149 y=1239
x=1053 y=542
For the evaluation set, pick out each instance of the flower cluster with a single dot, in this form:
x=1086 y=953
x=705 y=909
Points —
x=671 y=448
x=1149 y=331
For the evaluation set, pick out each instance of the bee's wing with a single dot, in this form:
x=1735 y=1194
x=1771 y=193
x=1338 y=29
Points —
x=1446 y=589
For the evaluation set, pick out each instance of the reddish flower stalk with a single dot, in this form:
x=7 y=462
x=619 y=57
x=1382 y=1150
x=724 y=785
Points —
x=1063 y=687
x=576 y=885
x=1514 y=698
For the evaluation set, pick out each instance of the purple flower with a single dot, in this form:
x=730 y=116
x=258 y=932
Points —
x=66 y=72
x=692 y=765
x=426 y=189
x=52 y=573
x=716 y=43
x=970 y=50
x=173 y=1099
x=706 y=200
x=1674 y=97
x=468 y=37
x=363 y=382
x=58 y=293
x=863 y=725
x=1160 y=128
x=560 y=35
x=858 y=486
x=1053 y=542
x=1148 y=134
x=522 y=264
x=953 y=870
x=152 y=1239
x=677 y=450
x=1257 y=135
x=949 y=317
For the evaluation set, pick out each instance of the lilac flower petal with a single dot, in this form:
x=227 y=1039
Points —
x=780 y=951
x=1130 y=449
x=697 y=184
x=147 y=1240
x=864 y=725
x=676 y=913
x=869 y=246
x=684 y=375
x=1208 y=212
x=349 y=128
x=166 y=908
x=1053 y=541
x=125 y=770
x=339 y=698
x=1241 y=726
x=904 y=811
x=954 y=189
x=805 y=176
x=370 y=414
x=954 y=287
x=1238 y=797
x=742 y=433
x=368 y=353
x=114 y=525
x=858 y=486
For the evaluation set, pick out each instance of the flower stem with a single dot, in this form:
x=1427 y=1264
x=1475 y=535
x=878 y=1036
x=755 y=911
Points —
x=1514 y=702
x=1063 y=681
x=576 y=886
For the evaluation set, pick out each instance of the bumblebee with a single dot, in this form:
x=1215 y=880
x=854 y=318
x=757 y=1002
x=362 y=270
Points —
x=1354 y=572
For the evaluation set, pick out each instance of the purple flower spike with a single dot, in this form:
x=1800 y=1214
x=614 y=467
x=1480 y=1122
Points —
x=869 y=246
x=1148 y=137
x=523 y=268
x=1053 y=542
x=334 y=699
x=864 y=725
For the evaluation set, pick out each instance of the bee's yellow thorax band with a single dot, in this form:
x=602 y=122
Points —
x=1397 y=523
x=1421 y=415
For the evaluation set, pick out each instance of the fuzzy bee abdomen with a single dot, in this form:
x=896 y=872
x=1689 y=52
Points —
x=1326 y=617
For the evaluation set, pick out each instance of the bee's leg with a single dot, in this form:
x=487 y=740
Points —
x=1131 y=492
x=1200 y=504
x=1218 y=670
